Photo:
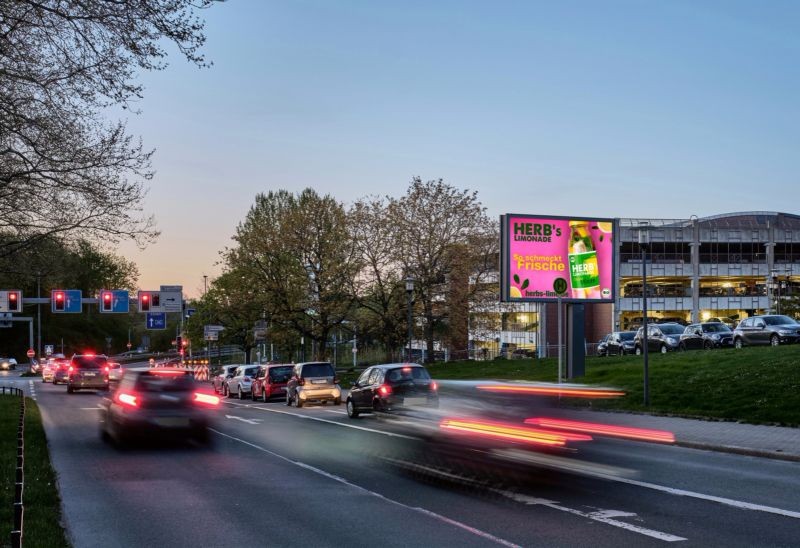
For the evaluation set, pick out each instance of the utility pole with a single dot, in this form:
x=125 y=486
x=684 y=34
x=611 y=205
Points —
x=644 y=238
x=39 y=316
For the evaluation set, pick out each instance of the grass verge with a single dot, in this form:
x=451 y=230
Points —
x=40 y=498
x=757 y=385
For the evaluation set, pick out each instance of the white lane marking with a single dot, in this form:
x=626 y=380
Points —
x=248 y=421
x=603 y=516
x=90 y=408
x=335 y=411
x=722 y=500
x=33 y=390
x=309 y=417
x=439 y=517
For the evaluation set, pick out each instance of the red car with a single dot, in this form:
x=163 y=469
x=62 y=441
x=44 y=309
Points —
x=271 y=381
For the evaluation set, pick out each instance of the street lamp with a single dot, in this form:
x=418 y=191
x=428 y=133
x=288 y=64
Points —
x=644 y=242
x=410 y=293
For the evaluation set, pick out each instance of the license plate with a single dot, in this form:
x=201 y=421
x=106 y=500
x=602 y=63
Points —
x=319 y=381
x=89 y=374
x=415 y=401
x=172 y=422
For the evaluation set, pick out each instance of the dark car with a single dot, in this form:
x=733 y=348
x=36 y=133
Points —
x=602 y=346
x=61 y=370
x=313 y=381
x=706 y=335
x=220 y=380
x=663 y=337
x=87 y=371
x=153 y=402
x=772 y=330
x=271 y=381
x=620 y=343
x=384 y=388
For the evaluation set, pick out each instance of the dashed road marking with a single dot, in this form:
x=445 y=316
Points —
x=32 y=389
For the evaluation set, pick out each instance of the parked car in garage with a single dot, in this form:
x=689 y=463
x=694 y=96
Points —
x=313 y=381
x=706 y=335
x=662 y=337
x=271 y=381
x=241 y=382
x=390 y=387
x=770 y=329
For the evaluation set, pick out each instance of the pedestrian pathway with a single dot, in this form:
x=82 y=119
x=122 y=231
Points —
x=748 y=439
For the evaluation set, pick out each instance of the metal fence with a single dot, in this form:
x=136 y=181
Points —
x=19 y=484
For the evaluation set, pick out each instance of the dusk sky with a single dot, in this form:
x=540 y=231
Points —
x=599 y=109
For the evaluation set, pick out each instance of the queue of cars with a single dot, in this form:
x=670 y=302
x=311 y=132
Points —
x=768 y=329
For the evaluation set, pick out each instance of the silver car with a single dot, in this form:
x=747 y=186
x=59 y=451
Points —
x=242 y=381
x=313 y=381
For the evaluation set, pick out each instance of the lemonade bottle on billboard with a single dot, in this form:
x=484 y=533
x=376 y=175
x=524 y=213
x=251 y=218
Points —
x=583 y=270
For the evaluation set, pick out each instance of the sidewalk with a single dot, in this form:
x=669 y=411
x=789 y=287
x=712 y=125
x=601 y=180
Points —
x=776 y=442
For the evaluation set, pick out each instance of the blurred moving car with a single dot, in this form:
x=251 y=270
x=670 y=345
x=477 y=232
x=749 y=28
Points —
x=271 y=381
x=8 y=363
x=60 y=370
x=87 y=371
x=772 y=329
x=620 y=343
x=114 y=372
x=49 y=370
x=388 y=387
x=241 y=382
x=219 y=381
x=157 y=402
x=706 y=335
x=313 y=381
x=662 y=337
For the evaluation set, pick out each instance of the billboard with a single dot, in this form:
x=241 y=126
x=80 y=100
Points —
x=545 y=258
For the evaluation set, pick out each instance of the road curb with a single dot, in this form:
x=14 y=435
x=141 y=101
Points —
x=747 y=451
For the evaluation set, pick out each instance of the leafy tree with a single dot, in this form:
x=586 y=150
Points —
x=64 y=170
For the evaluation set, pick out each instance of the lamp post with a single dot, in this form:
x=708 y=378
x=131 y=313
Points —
x=410 y=294
x=644 y=241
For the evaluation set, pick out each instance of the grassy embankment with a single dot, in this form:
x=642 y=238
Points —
x=758 y=385
x=40 y=497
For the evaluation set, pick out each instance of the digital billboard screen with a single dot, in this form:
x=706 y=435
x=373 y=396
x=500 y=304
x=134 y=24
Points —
x=546 y=258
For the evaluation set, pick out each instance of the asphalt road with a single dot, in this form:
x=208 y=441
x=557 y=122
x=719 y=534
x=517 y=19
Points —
x=281 y=476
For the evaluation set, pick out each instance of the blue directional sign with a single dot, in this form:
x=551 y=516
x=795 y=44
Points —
x=156 y=320
x=114 y=301
x=66 y=301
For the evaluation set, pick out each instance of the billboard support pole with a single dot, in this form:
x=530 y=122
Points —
x=560 y=339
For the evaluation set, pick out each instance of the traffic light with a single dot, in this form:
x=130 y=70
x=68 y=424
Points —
x=156 y=300
x=106 y=301
x=144 y=302
x=179 y=342
x=59 y=300
x=15 y=301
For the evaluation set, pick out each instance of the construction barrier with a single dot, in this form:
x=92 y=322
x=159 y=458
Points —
x=201 y=372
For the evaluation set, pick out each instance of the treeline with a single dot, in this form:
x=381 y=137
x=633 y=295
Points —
x=310 y=266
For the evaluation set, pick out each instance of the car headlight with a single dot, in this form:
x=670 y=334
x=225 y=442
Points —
x=715 y=337
x=673 y=340
x=786 y=332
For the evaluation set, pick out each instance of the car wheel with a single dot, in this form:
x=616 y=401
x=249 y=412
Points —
x=239 y=394
x=337 y=401
x=297 y=401
x=663 y=349
x=70 y=390
x=708 y=345
x=264 y=396
x=682 y=347
x=774 y=340
x=737 y=343
x=638 y=350
x=352 y=412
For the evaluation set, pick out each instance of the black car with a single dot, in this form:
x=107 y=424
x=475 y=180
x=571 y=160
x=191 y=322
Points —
x=383 y=388
x=662 y=337
x=602 y=346
x=771 y=329
x=620 y=343
x=706 y=335
x=157 y=402
x=87 y=371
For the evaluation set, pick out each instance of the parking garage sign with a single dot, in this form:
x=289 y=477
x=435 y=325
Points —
x=549 y=258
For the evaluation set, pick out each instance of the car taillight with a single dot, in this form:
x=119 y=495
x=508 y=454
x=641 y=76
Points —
x=199 y=397
x=301 y=381
x=107 y=369
x=434 y=386
x=127 y=399
x=384 y=390
x=247 y=379
x=71 y=369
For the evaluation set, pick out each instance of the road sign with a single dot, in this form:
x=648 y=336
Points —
x=171 y=301
x=66 y=301
x=30 y=353
x=114 y=301
x=129 y=345
x=48 y=349
x=172 y=288
x=5 y=319
x=11 y=301
x=156 y=320
x=211 y=336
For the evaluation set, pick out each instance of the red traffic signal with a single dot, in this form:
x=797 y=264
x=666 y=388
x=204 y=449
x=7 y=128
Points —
x=59 y=300
x=107 y=301
x=15 y=301
x=144 y=301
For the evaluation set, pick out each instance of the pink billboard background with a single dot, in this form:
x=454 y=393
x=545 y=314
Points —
x=524 y=255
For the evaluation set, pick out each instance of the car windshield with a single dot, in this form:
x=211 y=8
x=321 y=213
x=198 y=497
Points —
x=251 y=372
x=318 y=370
x=716 y=328
x=627 y=336
x=407 y=373
x=779 y=320
x=165 y=381
x=671 y=329
x=280 y=374
x=89 y=362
